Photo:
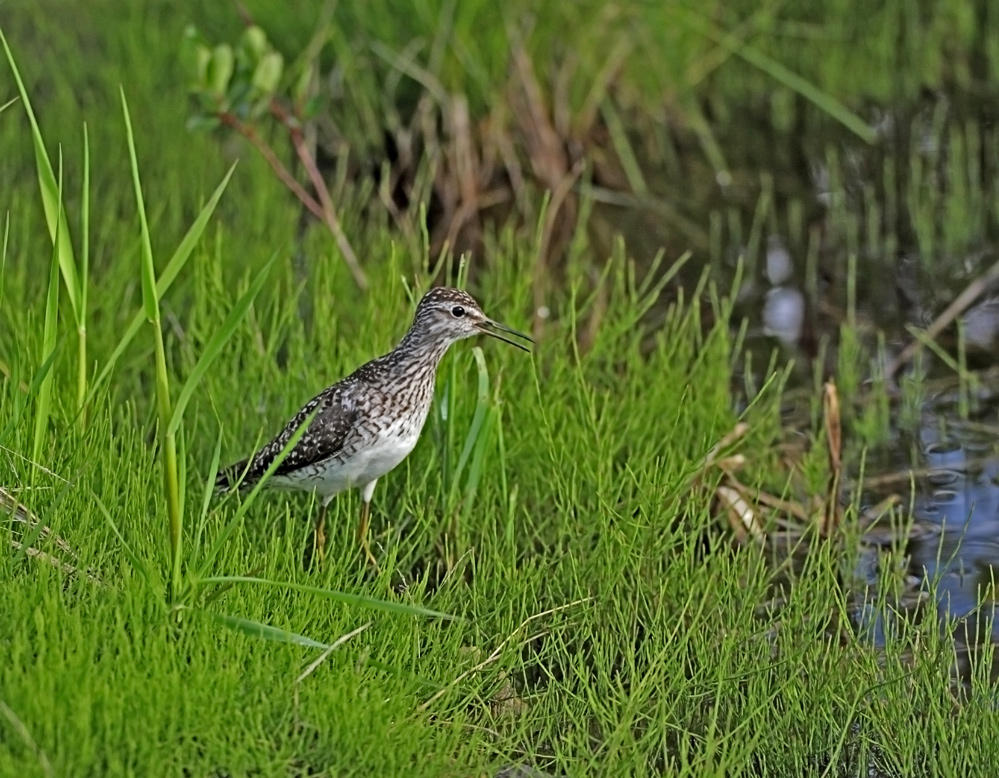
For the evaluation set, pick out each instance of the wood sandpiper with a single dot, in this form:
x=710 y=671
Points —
x=366 y=424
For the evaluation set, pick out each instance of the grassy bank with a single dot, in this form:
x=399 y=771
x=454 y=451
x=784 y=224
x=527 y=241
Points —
x=604 y=621
x=591 y=612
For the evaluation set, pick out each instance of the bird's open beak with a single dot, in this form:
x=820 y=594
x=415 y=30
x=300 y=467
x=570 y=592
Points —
x=490 y=327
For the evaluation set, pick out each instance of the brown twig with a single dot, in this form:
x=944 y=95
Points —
x=914 y=474
x=333 y=646
x=279 y=169
x=328 y=213
x=20 y=513
x=961 y=302
x=832 y=513
x=323 y=208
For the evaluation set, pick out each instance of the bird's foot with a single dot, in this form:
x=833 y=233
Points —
x=316 y=550
x=367 y=553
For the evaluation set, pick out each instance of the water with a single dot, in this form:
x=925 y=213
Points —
x=952 y=557
x=823 y=231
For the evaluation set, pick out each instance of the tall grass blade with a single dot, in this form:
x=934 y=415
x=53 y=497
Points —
x=346 y=598
x=181 y=442
x=476 y=466
x=217 y=343
x=166 y=279
x=256 y=629
x=474 y=430
x=3 y=254
x=783 y=75
x=139 y=566
x=51 y=196
x=150 y=299
x=206 y=499
x=36 y=382
x=49 y=333
x=151 y=305
x=244 y=506
x=81 y=321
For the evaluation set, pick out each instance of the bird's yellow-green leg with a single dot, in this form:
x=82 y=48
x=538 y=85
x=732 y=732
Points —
x=362 y=527
x=319 y=534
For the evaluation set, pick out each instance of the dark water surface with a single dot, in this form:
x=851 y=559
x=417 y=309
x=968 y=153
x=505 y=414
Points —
x=955 y=551
x=829 y=233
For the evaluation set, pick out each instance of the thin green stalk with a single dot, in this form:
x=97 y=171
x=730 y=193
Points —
x=3 y=254
x=150 y=299
x=55 y=216
x=49 y=333
x=472 y=438
x=347 y=598
x=81 y=320
x=167 y=277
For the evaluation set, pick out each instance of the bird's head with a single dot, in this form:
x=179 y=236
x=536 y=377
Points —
x=453 y=315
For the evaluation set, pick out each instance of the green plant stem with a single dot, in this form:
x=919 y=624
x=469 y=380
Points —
x=169 y=459
x=81 y=319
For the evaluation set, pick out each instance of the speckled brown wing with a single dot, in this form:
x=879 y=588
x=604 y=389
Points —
x=329 y=431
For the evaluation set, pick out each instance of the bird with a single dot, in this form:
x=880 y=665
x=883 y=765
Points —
x=365 y=425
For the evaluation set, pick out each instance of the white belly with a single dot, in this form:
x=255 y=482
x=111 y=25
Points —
x=375 y=460
x=382 y=454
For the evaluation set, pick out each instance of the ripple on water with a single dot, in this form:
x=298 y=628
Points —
x=958 y=500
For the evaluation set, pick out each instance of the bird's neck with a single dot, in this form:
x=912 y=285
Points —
x=420 y=350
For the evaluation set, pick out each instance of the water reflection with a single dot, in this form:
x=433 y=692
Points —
x=784 y=314
x=958 y=502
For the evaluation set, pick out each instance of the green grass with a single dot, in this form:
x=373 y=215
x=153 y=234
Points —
x=591 y=614
x=581 y=581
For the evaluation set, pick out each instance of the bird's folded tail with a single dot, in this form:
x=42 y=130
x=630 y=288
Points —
x=229 y=477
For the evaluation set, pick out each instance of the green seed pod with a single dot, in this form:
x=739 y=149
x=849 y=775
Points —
x=194 y=57
x=203 y=58
x=220 y=69
x=267 y=74
x=254 y=43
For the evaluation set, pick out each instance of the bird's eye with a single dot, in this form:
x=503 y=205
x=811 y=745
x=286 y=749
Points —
x=457 y=311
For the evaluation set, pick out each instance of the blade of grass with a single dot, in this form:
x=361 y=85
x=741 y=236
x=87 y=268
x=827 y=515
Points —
x=168 y=442
x=229 y=528
x=325 y=655
x=622 y=146
x=81 y=321
x=346 y=598
x=49 y=332
x=130 y=554
x=478 y=457
x=3 y=254
x=256 y=629
x=481 y=408
x=181 y=441
x=217 y=343
x=206 y=499
x=55 y=217
x=782 y=75
x=150 y=298
x=22 y=732
x=33 y=388
x=166 y=279
x=51 y=195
